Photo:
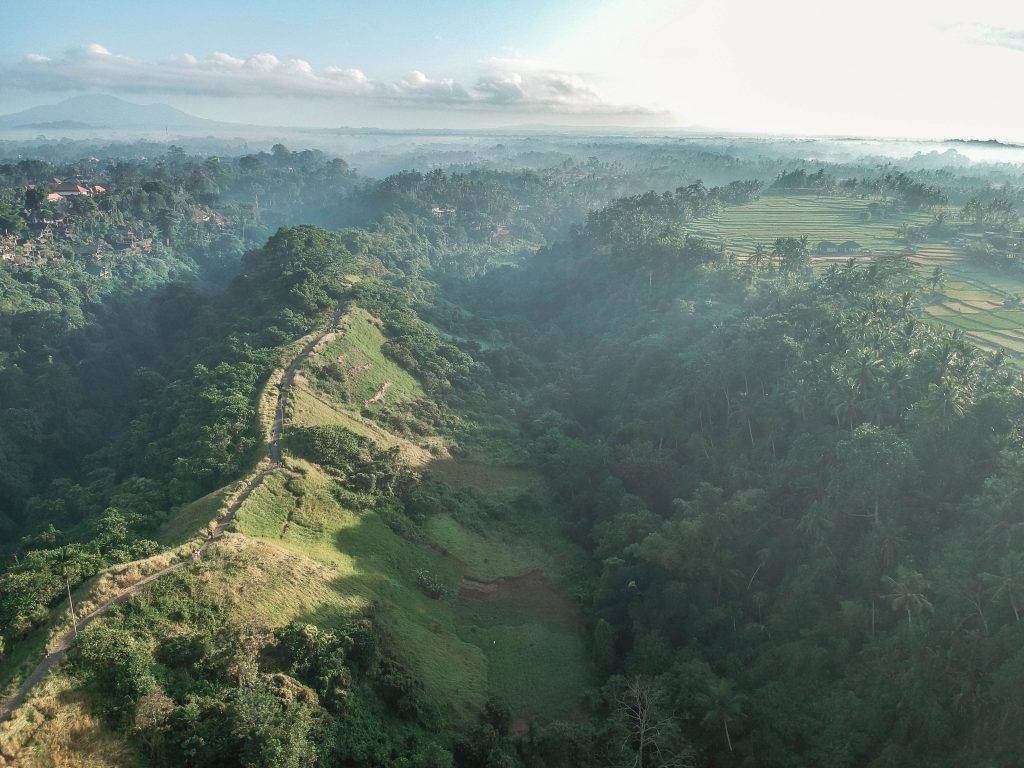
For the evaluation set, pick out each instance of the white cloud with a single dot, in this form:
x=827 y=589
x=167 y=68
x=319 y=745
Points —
x=874 y=67
x=499 y=86
x=1001 y=37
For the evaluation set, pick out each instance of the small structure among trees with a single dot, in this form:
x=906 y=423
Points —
x=75 y=189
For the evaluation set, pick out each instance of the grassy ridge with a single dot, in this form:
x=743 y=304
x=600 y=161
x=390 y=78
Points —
x=519 y=643
x=353 y=368
x=309 y=551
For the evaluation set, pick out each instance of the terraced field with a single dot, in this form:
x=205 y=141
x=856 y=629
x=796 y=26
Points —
x=838 y=219
x=978 y=301
x=975 y=299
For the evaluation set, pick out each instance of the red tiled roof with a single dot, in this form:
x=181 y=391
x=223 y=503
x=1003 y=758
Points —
x=70 y=188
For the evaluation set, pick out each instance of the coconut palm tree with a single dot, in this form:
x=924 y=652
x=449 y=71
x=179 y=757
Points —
x=801 y=397
x=864 y=366
x=722 y=706
x=67 y=563
x=907 y=593
x=746 y=409
x=817 y=524
x=844 y=398
x=945 y=400
x=1008 y=584
x=936 y=280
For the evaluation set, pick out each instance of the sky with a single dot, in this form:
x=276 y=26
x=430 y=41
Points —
x=887 y=68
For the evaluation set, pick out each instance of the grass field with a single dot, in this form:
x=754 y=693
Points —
x=63 y=734
x=309 y=407
x=324 y=563
x=353 y=369
x=191 y=519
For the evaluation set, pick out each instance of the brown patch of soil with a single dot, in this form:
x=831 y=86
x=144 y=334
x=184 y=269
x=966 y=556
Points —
x=379 y=396
x=533 y=586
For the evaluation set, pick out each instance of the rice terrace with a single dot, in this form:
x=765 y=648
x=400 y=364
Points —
x=972 y=296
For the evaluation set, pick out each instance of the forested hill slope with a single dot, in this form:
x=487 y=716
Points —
x=192 y=425
x=537 y=495
x=802 y=502
x=378 y=587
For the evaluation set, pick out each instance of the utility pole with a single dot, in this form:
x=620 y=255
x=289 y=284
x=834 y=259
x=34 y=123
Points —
x=71 y=605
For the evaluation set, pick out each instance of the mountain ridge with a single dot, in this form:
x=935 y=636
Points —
x=89 y=111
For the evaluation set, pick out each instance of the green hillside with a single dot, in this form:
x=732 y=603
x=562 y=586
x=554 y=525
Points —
x=521 y=649
x=501 y=466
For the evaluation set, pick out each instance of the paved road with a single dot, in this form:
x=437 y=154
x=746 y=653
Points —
x=55 y=656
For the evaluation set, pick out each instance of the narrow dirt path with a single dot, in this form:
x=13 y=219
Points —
x=55 y=656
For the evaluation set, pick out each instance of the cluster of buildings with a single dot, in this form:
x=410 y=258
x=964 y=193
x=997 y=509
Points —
x=63 y=189
x=54 y=232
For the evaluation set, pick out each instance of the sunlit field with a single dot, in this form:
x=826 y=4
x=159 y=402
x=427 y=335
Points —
x=837 y=219
x=972 y=298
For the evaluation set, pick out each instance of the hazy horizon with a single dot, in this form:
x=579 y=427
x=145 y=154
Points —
x=917 y=71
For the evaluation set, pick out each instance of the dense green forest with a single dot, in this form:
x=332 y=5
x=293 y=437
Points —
x=786 y=489
x=797 y=496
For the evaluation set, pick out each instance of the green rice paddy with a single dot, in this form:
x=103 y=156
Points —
x=839 y=219
x=974 y=298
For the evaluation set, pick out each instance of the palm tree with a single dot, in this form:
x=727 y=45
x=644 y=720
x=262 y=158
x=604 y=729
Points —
x=817 y=523
x=1009 y=582
x=66 y=563
x=947 y=399
x=898 y=383
x=906 y=304
x=722 y=705
x=952 y=346
x=864 y=364
x=844 y=398
x=746 y=408
x=908 y=593
x=759 y=257
x=801 y=397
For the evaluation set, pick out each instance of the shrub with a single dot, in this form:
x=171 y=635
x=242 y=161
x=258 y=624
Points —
x=431 y=585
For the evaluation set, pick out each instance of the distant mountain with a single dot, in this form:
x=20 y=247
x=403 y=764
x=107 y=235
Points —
x=56 y=125
x=994 y=143
x=101 y=111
